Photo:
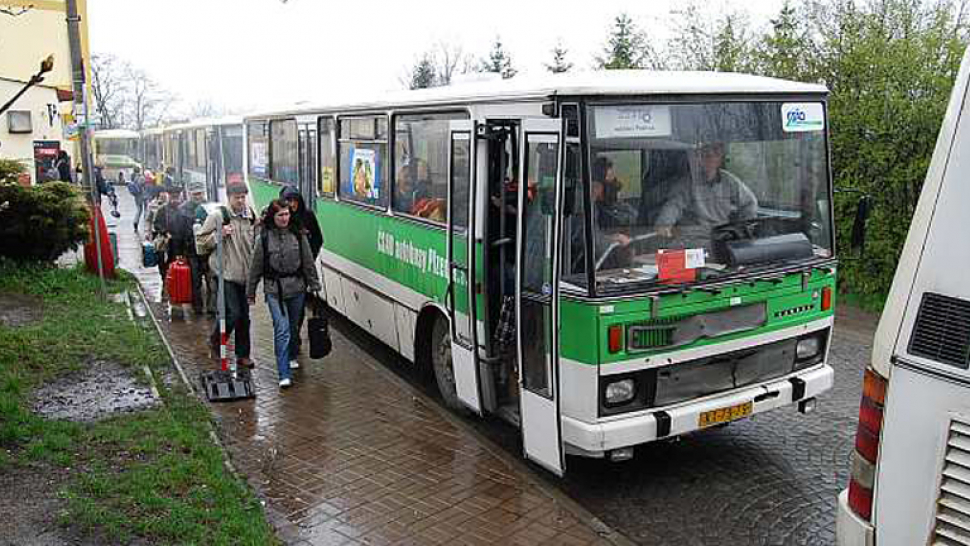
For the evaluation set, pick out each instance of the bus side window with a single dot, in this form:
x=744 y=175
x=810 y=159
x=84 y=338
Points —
x=421 y=144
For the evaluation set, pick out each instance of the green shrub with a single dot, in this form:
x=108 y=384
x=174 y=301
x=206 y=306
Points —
x=41 y=222
x=10 y=170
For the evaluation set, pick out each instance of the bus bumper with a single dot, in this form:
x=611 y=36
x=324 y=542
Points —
x=850 y=530
x=594 y=439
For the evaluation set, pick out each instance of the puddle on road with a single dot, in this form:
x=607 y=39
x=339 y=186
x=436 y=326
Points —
x=102 y=390
x=19 y=310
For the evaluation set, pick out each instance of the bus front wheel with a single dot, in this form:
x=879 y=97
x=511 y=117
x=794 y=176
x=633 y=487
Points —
x=444 y=371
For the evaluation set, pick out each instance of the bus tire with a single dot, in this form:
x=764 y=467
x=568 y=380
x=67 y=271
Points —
x=441 y=364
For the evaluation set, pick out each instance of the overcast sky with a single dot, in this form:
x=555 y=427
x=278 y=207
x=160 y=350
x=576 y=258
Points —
x=244 y=54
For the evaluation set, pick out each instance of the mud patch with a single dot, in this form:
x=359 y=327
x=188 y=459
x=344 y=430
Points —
x=19 y=310
x=100 y=390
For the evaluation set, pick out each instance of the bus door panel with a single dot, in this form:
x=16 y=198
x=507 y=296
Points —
x=537 y=293
x=307 y=145
x=461 y=264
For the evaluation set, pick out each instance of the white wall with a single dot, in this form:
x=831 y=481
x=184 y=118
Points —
x=41 y=102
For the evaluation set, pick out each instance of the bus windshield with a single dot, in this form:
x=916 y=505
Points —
x=115 y=146
x=692 y=192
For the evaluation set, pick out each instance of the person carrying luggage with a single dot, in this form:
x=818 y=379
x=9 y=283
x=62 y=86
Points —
x=283 y=261
x=238 y=225
x=305 y=222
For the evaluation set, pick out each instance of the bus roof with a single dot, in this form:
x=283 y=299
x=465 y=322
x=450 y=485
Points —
x=206 y=122
x=595 y=83
x=115 y=133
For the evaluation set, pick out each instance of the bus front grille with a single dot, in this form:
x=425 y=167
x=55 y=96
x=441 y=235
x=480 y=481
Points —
x=953 y=507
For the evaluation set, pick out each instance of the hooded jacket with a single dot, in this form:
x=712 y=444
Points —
x=305 y=220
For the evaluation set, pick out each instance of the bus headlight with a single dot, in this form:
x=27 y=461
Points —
x=620 y=392
x=807 y=347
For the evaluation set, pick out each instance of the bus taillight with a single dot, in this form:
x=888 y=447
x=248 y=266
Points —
x=615 y=338
x=867 y=444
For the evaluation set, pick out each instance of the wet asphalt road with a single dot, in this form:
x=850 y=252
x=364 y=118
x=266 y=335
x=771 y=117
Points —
x=769 y=480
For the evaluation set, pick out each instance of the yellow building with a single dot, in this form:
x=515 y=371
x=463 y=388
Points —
x=38 y=123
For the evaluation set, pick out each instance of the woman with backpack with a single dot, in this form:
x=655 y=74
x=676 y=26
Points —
x=283 y=260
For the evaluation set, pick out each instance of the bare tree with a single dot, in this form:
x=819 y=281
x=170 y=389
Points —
x=450 y=58
x=205 y=108
x=108 y=90
x=148 y=102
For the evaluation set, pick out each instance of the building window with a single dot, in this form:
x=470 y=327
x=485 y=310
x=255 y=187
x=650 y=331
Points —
x=258 y=148
x=363 y=156
x=327 y=182
x=421 y=164
x=18 y=121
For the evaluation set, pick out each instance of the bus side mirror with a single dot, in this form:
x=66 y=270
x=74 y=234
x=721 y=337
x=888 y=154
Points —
x=862 y=212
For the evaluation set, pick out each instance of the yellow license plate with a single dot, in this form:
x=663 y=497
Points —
x=724 y=415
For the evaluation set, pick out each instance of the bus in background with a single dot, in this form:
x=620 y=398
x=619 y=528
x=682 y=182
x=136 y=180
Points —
x=118 y=151
x=910 y=477
x=603 y=260
x=207 y=151
x=151 y=146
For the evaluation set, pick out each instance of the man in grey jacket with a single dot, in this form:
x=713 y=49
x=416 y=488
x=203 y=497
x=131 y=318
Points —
x=238 y=225
x=713 y=197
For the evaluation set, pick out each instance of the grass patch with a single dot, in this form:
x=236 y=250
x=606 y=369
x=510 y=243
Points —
x=154 y=475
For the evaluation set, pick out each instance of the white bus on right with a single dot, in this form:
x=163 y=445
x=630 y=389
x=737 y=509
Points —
x=910 y=480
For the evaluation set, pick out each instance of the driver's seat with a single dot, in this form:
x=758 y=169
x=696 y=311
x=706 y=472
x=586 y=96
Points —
x=667 y=168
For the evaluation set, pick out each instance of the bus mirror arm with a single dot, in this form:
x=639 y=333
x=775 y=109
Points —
x=862 y=212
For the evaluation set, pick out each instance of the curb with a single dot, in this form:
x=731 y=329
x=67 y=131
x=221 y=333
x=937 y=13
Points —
x=188 y=384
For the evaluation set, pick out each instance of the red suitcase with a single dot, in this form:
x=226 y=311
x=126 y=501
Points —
x=179 y=282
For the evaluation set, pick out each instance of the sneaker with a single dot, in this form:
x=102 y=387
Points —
x=285 y=383
x=294 y=365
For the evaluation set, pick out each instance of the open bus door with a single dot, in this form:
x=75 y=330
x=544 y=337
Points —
x=461 y=264
x=307 y=135
x=537 y=292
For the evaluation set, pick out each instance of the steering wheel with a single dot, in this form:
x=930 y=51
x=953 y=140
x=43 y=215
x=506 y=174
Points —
x=613 y=246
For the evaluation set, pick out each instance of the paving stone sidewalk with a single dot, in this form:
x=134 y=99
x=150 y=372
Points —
x=353 y=455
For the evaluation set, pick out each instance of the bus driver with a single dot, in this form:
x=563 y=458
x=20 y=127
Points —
x=702 y=202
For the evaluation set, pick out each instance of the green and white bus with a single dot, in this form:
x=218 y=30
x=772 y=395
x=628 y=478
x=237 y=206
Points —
x=667 y=266
x=118 y=151
x=207 y=151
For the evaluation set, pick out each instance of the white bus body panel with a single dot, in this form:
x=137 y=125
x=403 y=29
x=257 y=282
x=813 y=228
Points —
x=921 y=393
x=926 y=226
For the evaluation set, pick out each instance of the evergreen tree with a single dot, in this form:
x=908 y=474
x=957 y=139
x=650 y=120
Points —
x=498 y=61
x=424 y=74
x=702 y=43
x=627 y=47
x=786 y=50
x=559 y=63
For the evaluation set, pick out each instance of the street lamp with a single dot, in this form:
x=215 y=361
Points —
x=45 y=66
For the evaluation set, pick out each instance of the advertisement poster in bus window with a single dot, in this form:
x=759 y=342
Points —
x=326 y=180
x=364 y=177
x=259 y=158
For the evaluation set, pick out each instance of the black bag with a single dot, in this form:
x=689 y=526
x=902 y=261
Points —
x=318 y=329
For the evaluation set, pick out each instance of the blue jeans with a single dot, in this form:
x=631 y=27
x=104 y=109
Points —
x=285 y=329
x=139 y=207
